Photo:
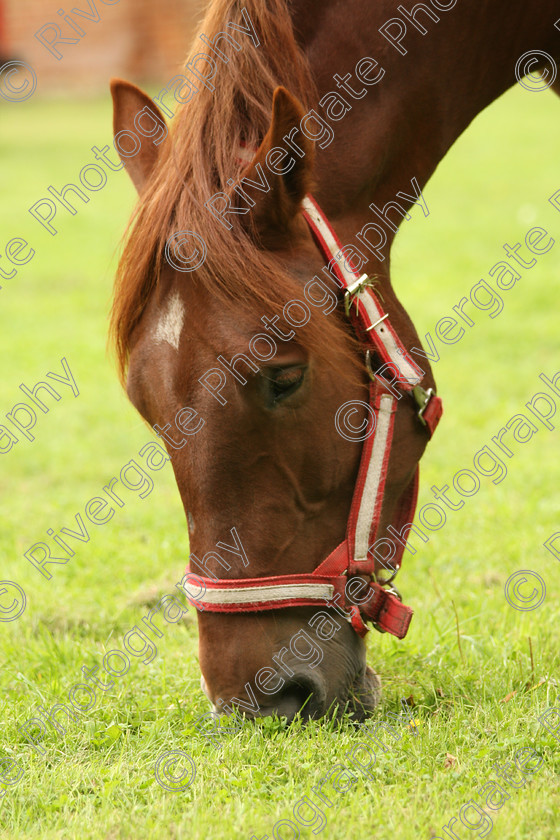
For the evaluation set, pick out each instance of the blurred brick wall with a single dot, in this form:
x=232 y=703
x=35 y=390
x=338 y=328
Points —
x=136 y=39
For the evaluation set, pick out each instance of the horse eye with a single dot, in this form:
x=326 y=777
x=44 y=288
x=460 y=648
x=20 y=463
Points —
x=283 y=382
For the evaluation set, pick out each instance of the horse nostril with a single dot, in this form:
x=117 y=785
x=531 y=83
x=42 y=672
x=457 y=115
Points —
x=292 y=700
x=303 y=694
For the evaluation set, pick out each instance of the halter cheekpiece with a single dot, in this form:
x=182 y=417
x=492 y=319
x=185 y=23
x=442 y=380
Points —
x=328 y=583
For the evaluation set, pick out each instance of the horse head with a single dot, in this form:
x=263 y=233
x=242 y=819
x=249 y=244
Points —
x=236 y=344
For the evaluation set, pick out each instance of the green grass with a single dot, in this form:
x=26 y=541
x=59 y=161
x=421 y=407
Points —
x=98 y=780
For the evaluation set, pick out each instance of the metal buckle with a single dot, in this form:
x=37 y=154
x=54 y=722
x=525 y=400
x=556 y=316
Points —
x=354 y=289
x=394 y=591
x=365 y=281
x=422 y=398
x=358 y=285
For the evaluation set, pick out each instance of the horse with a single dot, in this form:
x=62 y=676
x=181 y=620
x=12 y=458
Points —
x=300 y=124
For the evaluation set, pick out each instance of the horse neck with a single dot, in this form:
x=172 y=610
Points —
x=406 y=123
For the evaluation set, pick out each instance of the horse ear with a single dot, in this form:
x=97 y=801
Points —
x=287 y=172
x=135 y=115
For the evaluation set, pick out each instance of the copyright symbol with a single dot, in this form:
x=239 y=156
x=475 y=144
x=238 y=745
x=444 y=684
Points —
x=18 y=81
x=9 y=612
x=516 y=598
x=348 y=430
x=543 y=79
x=182 y=256
x=166 y=764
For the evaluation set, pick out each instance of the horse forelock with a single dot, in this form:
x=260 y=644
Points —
x=199 y=161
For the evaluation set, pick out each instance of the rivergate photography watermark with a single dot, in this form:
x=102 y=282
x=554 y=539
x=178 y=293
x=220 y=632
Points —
x=184 y=771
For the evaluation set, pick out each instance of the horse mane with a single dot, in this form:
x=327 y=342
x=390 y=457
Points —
x=198 y=162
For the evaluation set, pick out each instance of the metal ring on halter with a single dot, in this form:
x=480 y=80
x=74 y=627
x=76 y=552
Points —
x=422 y=397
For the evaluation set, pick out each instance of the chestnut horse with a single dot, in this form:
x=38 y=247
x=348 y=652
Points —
x=265 y=477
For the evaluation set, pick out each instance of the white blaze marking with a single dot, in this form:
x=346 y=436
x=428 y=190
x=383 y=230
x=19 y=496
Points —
x=170 y=323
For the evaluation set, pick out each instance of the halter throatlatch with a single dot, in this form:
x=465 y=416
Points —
x=330 y=583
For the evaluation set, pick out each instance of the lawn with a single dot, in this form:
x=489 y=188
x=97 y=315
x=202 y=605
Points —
x=479 y=672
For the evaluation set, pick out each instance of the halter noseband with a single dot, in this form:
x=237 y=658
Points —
x=329 y=582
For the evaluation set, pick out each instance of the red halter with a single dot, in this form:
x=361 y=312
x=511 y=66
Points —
x=329 y=582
